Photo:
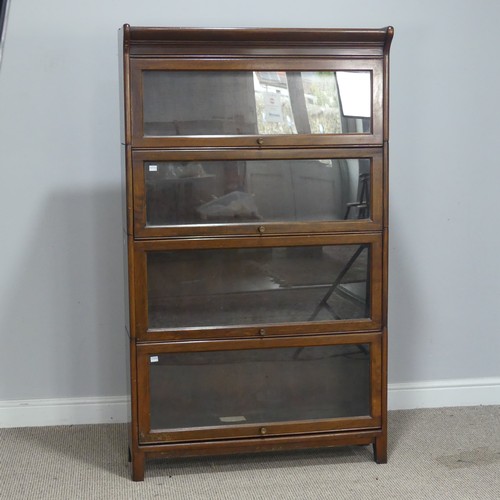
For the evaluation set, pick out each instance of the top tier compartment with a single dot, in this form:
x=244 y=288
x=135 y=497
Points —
x=255 y=88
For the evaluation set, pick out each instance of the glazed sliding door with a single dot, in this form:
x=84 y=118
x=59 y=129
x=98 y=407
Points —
x=250 y=102
x=259 y=387
x=249 y=192
x=244 y=287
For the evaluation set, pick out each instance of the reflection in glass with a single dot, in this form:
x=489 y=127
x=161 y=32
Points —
x=257 y=190
x=196 y=288
x=354 y=93
x=221 y=388
x=304 y=103
x=260 y=102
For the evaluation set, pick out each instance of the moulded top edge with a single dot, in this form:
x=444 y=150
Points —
x=380 y=37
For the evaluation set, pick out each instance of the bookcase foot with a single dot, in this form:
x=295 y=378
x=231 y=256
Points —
x=138 y=462
x=380 y=450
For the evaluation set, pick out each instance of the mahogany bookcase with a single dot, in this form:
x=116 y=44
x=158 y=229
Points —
x=255 y=193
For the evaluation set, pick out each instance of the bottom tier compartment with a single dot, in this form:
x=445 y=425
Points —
x=246 y=388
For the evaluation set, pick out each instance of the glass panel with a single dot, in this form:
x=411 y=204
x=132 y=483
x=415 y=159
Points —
x=223 y=388
x=196 y=288
x=256 y=190
x=259 y=102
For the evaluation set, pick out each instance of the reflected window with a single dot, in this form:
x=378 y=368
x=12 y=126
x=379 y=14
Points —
x=355 y=92
x=234 y=191
x=193 y=389
x=260 y=102
x=196 y=288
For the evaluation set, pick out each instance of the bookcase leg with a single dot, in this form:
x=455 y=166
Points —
x=138 y=460
x=380 y=450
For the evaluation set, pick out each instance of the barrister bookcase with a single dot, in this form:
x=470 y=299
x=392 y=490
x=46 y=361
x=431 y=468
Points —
x=256 y=237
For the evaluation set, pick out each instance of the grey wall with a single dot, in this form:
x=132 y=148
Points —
x=61 y=310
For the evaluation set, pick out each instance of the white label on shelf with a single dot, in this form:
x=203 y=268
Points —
x=239 y=418
x=154 y=359
x=272 y=108
x=153 y=168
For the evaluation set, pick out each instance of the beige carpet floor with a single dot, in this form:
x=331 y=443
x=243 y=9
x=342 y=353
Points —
x=449 y=453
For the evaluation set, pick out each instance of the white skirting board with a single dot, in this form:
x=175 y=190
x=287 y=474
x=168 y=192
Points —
x=444 y=393
x=64 y=411
x=115 y=409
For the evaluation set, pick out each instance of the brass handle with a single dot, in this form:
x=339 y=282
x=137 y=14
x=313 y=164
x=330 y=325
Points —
x=263 y=430
x=260 y=141
x=262 y=331
x=262 y=229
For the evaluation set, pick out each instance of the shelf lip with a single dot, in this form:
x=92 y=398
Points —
x=373 y=423
x=257 y=240
x=229 y=344
x=302 y=429
x=285 y=337
x=236 y=143
x=290 y=149
x=270 y=443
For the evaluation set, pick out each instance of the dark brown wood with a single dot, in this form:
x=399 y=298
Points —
x=137 y=457
x=249 y=431
x=245 y=331
x=151 y=348
x=124 y=78
x=387 y=46
x=380 y=449
x=138 y=463
x=245 y=50
x=262 y=444
x=349 y=37
x=380 y=444
x=348 y=43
